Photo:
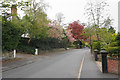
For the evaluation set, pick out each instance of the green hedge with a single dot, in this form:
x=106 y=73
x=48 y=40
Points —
x=42 y=44
x=113 y=51
x=26 y=49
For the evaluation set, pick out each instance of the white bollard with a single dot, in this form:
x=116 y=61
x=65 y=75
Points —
x=36 y=51
x=68 y=48
x=14 y=54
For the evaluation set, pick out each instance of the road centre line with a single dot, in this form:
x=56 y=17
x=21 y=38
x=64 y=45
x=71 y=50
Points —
x=80 y=69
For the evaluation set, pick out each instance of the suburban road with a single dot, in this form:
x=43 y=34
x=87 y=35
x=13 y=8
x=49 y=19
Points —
x=76 y=63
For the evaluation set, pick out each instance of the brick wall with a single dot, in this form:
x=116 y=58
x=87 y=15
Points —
x=113 y=65
x=119 y=67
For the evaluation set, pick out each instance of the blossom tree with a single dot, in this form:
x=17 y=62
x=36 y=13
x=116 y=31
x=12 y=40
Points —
x=76 y=33
x=55 y=30
x=70 y=36
x=77 y=30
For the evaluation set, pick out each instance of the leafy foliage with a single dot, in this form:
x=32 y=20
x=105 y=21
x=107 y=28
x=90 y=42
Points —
x=35 y=21
x=105 y=35
x=42 y=44
x=118 y=39
x=11 y=34
x=111 y=29
x=114 y=47
x=76 y=33
x=113 y=51
x=77 y=30
x=96 y=45
x=78 y=44
x=55 y=30
x=70 y=36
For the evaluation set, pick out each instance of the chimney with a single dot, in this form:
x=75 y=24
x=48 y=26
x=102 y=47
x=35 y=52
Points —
x=14 y=11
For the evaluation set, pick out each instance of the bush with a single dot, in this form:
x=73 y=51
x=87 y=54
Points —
x=112 y=44
x=87 y=44
x=113 y=51
x=42 y=44
x=103 y=45
x=118 y=39
x=11 y=34
x=78 y=44
x=46 y=43
x=114 y=47
x=96 y=45
x=26 y=49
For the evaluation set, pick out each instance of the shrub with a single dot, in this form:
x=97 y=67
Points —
x=112 y=44
x=114 y=47
x=118 y=39
x=96 y=45
x=42 y=44
x=103 y=44
x=26 y=49
x=11 y=34
x=78 y=44
x=113 y=51
x=46 y=43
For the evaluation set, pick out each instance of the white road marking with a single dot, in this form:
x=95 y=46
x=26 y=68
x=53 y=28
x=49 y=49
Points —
x=79 y=73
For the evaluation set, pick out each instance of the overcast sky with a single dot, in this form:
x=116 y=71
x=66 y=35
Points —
x=74 y=10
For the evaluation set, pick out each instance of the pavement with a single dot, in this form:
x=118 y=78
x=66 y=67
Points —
x=76 y=63
x=91 y=70
x=20 y=60
x=99 y=64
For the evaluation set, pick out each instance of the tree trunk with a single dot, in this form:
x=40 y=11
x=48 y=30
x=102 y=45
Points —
x=98 y=37
x=29 y=41
x=90 y=44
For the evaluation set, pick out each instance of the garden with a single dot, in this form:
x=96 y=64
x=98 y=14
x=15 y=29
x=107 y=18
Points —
x=36 y=31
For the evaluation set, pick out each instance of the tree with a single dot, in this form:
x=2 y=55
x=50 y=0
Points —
x=55 y=30
x=97 y=15
x=8 y=4
x=59 y=18
x=11 y=29
x=36 y=22
x=111 y=29
x=89 y=34
x=77 y=33
x=11 y=34
x=70 y=36
x=105 y=35
x=76 y=30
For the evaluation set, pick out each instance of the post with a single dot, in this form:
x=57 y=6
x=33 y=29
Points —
x=104 y=61
x=14 y=55
x=95 y=54
x=36 y=51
